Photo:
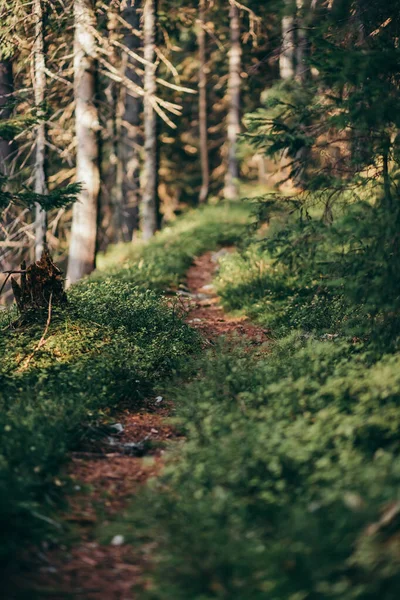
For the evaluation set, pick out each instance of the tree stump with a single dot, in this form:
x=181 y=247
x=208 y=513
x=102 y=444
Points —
x=41 y=283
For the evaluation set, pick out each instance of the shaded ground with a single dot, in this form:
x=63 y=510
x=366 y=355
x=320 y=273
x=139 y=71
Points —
x=106 y=473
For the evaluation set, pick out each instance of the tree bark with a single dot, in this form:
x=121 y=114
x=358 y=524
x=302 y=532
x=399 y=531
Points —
x=234 y=85
x=287 y=56
x=6 y=88
x=150 y=202
x=40 y=156
x=203 y=130
x=111 y=195
x=131 y=139
x=302 y=74
x=82 y=251
x=302 y=68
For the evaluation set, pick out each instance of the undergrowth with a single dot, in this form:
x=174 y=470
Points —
x=289 y=482
x=288 y=486
x=161 y=264
x=116 y=341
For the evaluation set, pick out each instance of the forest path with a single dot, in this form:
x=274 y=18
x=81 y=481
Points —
x=106 y=476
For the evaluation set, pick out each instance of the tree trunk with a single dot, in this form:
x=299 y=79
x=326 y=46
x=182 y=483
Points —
x=111 y=196
x=302 y=68
x=234 y=85
x=82 y=251
x=131 y=142
x=386 y=177
x=303 y=11
x=150 y=202
x=287 y=56
x=302 y=75
x=40 y=157
x=203 y=131
x=6 y=88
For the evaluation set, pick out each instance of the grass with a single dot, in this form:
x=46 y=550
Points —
x=117 y=340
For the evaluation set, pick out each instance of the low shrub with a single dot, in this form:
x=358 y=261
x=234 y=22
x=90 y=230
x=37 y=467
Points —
x=303 y=273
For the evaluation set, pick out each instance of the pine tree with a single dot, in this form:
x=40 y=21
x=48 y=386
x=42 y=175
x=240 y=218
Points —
x=150 y=199
x=131 y=135
x=234 y=88
x=203 y=130
x=39 y=86
x=82 y=250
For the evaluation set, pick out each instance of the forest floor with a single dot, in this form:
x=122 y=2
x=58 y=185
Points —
x=106 y=475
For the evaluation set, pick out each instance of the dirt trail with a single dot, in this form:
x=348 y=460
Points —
x=106 y=478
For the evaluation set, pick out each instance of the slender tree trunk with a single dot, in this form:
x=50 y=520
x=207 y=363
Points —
x=131 y=138
x=386 y=178
x=234 y=85
x=40 y=158
x=6 y=88
x=302 y=68
x=82 y=251
x=150 y=202
x=287 y=65
x=302 y=75
x=262 y=171
x=118 y=193
x=110 y=205
x=203 y=130
x=287 y=55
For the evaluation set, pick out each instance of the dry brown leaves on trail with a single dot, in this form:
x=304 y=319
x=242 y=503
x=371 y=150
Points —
x=107 y=479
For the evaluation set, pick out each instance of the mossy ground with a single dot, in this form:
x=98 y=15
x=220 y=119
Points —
x=288 y=486
x=117 y=340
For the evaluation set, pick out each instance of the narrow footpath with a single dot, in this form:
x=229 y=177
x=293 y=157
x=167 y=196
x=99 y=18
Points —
x=107 y=474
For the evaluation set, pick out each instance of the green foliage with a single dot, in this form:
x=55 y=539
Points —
x=304 y=273
x=56 y=199
x=290 y=462
x=338 y=127
x=116 y=341
x=282 y=124
x=162 y=263
x=10 y=128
